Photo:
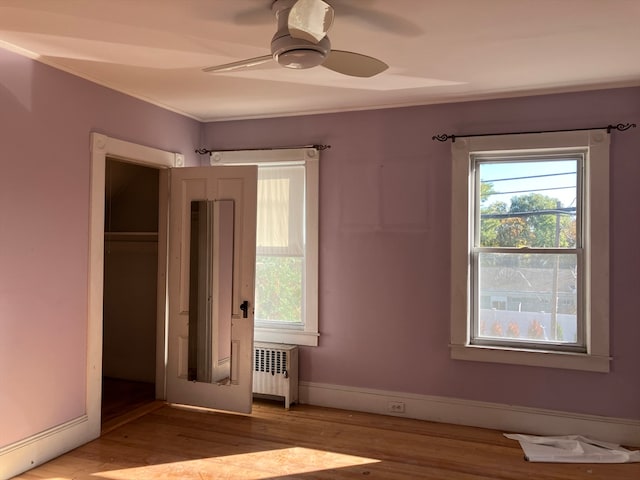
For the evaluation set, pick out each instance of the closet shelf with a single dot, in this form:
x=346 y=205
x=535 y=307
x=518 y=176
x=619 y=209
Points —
x=131 y=236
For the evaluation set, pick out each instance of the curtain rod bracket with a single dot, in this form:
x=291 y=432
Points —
x=204 y=151
x=621 y=127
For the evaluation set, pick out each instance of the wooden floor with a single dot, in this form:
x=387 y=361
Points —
x=305 y=443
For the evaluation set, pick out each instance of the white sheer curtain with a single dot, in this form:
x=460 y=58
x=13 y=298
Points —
x=280 y=228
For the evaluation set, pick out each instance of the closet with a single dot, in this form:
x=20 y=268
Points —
x=130 y=287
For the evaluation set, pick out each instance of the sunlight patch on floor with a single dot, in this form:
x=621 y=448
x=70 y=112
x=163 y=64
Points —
x=249 y=466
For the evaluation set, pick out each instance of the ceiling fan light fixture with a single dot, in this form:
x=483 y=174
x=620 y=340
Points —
x=300 y=59
x=298 y=53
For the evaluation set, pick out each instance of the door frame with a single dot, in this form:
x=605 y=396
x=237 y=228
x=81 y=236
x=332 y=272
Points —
x=102 y=147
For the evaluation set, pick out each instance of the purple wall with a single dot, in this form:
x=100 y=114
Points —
x=384 y=248
x=46 y=117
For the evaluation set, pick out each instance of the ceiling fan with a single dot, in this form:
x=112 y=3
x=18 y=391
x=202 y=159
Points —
x=301 y=42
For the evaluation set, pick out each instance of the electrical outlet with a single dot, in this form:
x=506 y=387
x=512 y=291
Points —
x=395 y=407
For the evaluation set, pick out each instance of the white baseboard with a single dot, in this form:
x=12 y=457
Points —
x=507 y=418
x=21 y=456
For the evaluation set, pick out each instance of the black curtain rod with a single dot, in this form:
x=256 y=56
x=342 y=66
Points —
x=621 y=127
x=203 y=151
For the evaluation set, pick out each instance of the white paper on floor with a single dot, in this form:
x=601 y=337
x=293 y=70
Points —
x=572 y=449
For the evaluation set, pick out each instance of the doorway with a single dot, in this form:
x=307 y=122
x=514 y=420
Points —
x=130 y=287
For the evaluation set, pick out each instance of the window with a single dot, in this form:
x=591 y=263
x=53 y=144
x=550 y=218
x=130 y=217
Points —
x=286 y=242
x=530 y=278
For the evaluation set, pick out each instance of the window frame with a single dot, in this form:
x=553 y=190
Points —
x=476 y=249
x=595 y=231
x=306 y=334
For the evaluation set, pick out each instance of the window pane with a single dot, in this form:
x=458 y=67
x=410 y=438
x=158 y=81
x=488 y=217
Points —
x=527 y=297
x=530 y=203
x=279 y=288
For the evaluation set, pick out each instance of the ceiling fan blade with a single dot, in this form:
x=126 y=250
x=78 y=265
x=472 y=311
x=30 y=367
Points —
x=354 y=64
x=310 y=20
x=242 y=64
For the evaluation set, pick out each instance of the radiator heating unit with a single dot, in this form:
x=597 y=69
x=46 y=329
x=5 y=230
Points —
x=275 y=371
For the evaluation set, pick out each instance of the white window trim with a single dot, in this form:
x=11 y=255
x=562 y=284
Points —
x=596 y=228
x=309 y=157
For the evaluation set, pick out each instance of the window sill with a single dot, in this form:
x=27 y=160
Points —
x=288 y=336
x=537 y=358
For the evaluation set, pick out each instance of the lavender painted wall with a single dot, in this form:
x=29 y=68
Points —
x=384 y=249
x=46 y=117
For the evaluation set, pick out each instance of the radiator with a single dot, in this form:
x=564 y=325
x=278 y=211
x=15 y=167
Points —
x=275 y=371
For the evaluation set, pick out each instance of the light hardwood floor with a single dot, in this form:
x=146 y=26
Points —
x=305 y=442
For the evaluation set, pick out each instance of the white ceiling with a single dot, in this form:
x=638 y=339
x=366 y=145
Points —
x=437 y=50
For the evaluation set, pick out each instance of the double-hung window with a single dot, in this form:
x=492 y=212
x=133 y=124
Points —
x=530 y=249
x=286 y=291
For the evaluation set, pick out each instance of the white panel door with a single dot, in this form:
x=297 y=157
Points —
x=193 y=377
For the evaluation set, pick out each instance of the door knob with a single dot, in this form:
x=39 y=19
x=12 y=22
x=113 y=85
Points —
x=244 y=306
